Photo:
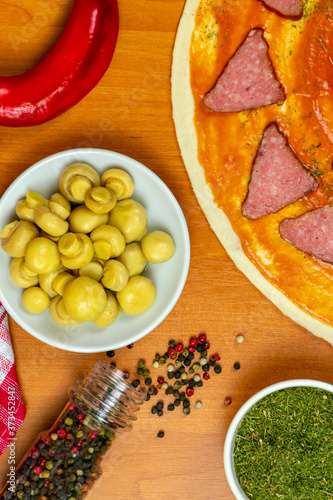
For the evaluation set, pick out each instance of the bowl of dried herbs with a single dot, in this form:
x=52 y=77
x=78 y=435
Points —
x=280 y=443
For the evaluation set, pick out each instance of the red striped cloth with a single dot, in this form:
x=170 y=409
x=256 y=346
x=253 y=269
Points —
x=12 y=409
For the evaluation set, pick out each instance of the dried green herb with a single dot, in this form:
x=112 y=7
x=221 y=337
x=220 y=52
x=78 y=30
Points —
x=284 y=446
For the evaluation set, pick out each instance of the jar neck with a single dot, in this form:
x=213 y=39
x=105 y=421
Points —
x=106 y=398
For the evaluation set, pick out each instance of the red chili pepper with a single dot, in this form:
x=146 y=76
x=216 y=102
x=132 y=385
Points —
x=71 y=69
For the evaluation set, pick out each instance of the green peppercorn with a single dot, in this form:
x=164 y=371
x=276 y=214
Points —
x=191 y=371
x=196 y=366
x=139 y=371
x=141 y=363
x=184 y=376
x=156 y=364
x=146 y=373
x=148 y=381
x=186 y=411
x=172 y=343
x=176 y=393
x=178 y=363
x=162 y=361
x=151 y=390
x=160 y=434
x=185 y=352
x=177 y=385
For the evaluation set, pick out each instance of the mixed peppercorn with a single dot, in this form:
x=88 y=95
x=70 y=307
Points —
x=64 y=463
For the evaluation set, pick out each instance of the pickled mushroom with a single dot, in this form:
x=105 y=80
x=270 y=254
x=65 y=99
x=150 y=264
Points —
x=76 y=180
x=119 y=181
x=138 y=296
x=130 y=217
x=84 y=299
x=41 y=255
x=16 y=236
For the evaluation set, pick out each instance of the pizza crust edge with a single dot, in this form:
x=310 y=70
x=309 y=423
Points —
x=183 y=115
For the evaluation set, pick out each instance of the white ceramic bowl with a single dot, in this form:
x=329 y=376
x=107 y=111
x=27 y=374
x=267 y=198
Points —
x=164 y=213
x=233 y=428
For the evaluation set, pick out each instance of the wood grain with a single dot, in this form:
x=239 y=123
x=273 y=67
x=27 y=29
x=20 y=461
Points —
x=130 y=112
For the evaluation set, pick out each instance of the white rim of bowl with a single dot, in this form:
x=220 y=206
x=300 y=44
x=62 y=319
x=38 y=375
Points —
x=229 y=443
x=187 y=249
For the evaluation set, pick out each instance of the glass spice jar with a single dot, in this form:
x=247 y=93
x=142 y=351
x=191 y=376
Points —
x=64 y=462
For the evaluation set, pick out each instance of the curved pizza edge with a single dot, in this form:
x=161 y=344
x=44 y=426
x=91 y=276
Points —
x=183 y=115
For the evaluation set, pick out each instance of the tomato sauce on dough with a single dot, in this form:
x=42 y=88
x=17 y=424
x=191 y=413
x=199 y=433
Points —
x=302 y=55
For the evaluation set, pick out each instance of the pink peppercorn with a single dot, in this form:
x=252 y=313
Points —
x=79 y=443
x=46 y=439
x=47 y=484
x=74 y=449
x=34 y=453
x=206 y=345
x=71 y=407
x=171 y=351
x=193 y=342
x=42 y=461
x=61 y=433
x=173 y=356
x=227 y=401
x=93 y=435
x=80 y=417
x=189 y=392
x=202 y=338
x=37 y=470
x=216 y=357
x=179 y=347
x=191 y=348
x=69 y=436
x=160 y=380
x=206 y=376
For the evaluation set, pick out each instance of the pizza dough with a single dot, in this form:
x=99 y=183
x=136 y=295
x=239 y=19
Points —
x=183 y=114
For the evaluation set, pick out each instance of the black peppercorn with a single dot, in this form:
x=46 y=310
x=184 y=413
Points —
x=191 y=383
x=136 y=383
x=160 y=434
x=176 y=402
x=148 y=381
x=172 y=343
x=160 y=405
x=187 y=362
x=186 y=403
x=154 y=410
x=236 y=366
x=199 y=348
x=217 y=369
x=206 y=367
x=110 y=354
x=171 y=407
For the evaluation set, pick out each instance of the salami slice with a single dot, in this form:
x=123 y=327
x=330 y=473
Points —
x=278 y=177
x=311 y=233
x=287 y=8
x=248 y=81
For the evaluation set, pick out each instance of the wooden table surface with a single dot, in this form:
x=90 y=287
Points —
x=130 y=112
